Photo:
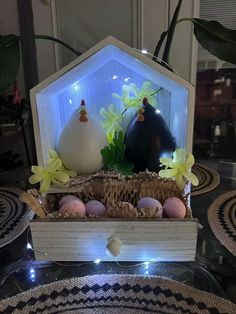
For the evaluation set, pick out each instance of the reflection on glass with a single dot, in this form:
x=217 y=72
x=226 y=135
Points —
x=215 y=113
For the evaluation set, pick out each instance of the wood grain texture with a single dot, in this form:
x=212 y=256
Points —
x=142 y=240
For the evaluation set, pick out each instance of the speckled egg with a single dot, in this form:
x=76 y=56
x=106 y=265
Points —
x=148 y=202
x=66 y=199
x=73 y=208
x=95 y=208
x=174 y=208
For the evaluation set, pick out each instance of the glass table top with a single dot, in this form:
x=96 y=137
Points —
x=214 y=270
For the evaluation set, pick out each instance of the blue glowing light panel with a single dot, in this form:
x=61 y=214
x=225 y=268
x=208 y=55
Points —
x=95 y=80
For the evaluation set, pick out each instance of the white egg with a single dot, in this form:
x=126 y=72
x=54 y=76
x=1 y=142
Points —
x=80 y=145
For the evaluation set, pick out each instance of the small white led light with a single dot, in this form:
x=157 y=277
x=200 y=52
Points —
x=165 y=155
x=114 y=77
x=32 y=276
x=158 y=111
x=76 y=87
x=146 y=272
x=144 y=51
x=97 y=261
x=32 y=271
x=70 y=101
x=28 y=246
x=126 y=79
x=146 y=263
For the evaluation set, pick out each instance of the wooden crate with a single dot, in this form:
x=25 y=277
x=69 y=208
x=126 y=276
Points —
x=142 y=240
x=54 y=101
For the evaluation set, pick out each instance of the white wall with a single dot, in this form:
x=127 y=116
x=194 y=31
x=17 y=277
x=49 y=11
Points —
x=154 y=20
x=9 y=24
x=137 y=22
x=84 y=23
x=156 y=16
x=43 y=25
x=183 y=56
x=81 y=24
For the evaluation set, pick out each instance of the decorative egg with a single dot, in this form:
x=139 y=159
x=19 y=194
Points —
x=73 y=208
x=148 y=202
x=174 y=208
x=147 y=138
x=150 y=207
x=67 y=198
x=95 y=208
x=81 y=142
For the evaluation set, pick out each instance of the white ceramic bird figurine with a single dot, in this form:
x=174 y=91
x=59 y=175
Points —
x=81 y=142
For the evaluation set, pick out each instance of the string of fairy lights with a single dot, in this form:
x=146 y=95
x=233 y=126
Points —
x=145 y=266
x=145 y=52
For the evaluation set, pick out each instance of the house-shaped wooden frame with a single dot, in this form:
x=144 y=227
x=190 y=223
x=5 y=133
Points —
x=94 y=76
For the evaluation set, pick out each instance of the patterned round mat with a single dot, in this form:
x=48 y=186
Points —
x=116 y=294
x=14 y=215
x=222 y=219
x=208 y=179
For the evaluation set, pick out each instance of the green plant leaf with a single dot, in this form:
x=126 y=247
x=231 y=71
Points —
x=114 y=156
x=9 y=60
x=214 y=37
x=124 y=168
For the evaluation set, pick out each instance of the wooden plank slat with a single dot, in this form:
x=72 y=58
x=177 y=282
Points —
x=158 y=240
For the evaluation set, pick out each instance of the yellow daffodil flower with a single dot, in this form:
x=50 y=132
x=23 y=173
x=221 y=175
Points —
x=54 y=172
x=111 y=121
x=132 y=96
x=145 y=91
x=53 y=155
x=179 y=168
x=126 y=100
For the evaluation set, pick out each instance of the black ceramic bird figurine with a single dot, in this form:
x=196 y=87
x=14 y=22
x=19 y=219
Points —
x=147 y=138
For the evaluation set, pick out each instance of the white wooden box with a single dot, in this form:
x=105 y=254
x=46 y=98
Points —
x=94 y=76
x=142 y=240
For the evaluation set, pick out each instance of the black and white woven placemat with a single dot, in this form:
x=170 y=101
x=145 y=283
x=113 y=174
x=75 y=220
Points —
x=208 y=178
x=222 y=219
x=116 y=294
x=14 y=215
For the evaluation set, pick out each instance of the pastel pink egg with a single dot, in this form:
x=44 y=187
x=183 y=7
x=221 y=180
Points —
x=174 y=208
x=95 y=208
x=73 y=208
x=148 y=202
x=66 y=199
